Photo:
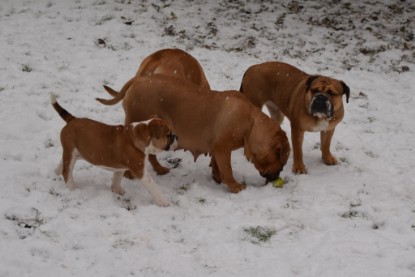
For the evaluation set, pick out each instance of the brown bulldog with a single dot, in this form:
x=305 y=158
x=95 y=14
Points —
x=116 y=148
x=175 y=63
x=312 y=103
x=208 y=122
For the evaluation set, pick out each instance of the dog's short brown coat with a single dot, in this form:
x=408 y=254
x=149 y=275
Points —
x=288 y=91
x=174 y=63
x=116 y=148
x=208 y=122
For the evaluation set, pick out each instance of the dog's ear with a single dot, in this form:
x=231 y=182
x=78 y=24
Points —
x=310 y=81
x=140 y=135
x=346 y=91
x=157 y=129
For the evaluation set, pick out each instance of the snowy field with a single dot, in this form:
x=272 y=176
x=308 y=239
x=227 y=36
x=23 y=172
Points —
x=353 y=219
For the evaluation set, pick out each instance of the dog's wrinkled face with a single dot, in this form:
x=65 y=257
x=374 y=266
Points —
x=158 y=135
x=324 y=96
x=270 y=154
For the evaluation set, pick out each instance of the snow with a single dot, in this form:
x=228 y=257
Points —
x=353 y=219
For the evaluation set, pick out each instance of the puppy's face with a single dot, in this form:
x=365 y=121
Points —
x=156 y=136
x=324 y=96
x=270 y=154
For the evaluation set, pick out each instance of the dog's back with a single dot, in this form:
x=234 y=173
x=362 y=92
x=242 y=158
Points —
x=174 y=63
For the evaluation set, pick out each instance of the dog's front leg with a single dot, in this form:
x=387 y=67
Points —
x=153 y=189
x=116 y=183
x=158 y=168
x=223 y=162
x=325 y=139
x=297 y=137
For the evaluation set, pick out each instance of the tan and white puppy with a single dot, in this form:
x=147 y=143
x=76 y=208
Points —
x=174 y=63
x=312 y=103
x=208 y=122
x=116 y=148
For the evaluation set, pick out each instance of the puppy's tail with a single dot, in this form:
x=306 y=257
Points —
x=118 y=96
x=61 y=111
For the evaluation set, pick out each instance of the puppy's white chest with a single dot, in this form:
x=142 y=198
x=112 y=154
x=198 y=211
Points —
x=151 y=149
x=321 y=125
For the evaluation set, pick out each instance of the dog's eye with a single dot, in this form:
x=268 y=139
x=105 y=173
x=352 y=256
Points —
x=331 y=93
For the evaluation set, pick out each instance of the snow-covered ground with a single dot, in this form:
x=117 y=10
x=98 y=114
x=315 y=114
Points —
x=354 y=219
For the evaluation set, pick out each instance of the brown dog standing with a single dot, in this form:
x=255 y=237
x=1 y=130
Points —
x=175 y=63
x=208 y=122
x=116 y=148
x=312 y=103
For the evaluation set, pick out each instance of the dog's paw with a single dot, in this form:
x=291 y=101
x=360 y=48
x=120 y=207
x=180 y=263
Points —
x=330 y=160
x=118 y=190
x=161 y=170
x=299 y=169
x=161 y=202
x=236 y=187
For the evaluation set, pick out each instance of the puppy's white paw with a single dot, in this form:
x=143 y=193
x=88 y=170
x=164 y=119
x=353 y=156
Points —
x=71 y=187
x=118 y=190
x=161 y=202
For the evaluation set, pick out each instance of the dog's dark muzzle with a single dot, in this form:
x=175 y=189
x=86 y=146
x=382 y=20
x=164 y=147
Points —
x=171 y=138
x=271 y=176
x=321 y=106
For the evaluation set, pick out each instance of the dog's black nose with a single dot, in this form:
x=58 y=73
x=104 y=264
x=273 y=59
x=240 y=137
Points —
x=271 y=176
x=320 y=98
x=320 y=104
x=171 y=139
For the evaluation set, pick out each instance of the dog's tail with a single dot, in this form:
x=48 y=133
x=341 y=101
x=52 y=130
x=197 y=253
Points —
x=118 y=96
x=61 y=111
x=241 y=88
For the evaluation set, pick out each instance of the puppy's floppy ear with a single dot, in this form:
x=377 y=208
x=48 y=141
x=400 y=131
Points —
x=346 y=91
x=158 y=128
x=141 y=136
x=310 y=81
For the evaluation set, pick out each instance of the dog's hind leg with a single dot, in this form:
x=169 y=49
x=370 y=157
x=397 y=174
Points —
x=68 y=162
x=116 y=183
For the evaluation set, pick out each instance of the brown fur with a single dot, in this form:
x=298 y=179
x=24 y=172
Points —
x=288 y=91
x=209 y=122
x=169 y=62
x=174 y=63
